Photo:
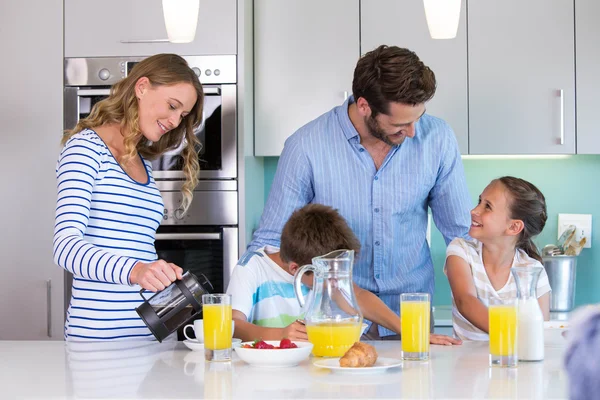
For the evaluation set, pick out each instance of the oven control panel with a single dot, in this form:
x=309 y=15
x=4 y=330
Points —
x=105 y=71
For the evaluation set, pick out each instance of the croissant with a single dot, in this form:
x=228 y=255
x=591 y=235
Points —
x=359 y=355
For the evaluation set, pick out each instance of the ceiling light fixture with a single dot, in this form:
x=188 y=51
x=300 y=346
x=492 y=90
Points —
x=181 y=19
x=442 y=18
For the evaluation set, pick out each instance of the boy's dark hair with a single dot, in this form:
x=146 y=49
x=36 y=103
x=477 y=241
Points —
x=392 y=74
x=315 y=230
x=528 y=204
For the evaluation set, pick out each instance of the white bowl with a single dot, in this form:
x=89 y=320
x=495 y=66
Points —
x=554 y=333
x=274 y=358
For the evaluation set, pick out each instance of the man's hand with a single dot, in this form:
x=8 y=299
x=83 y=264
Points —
x=443 y=340
x=295 y=331
x=155 y=276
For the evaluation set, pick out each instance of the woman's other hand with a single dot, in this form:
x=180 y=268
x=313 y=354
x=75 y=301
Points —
x=155 y=276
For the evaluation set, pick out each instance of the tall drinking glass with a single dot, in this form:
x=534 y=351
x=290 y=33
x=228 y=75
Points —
x=415 y=317
x=216 y=312
x=503 y=332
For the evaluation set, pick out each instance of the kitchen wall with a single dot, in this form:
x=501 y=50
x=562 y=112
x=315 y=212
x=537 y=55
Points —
x=570 y=185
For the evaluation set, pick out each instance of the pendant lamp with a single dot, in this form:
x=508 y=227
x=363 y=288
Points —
x=442 y=18
x=181 y=19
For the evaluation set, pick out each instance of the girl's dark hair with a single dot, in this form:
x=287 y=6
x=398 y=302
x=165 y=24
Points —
x=392 y=74
x=528 y=204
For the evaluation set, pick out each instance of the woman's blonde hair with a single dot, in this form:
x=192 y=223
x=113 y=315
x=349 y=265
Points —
x=121 y=107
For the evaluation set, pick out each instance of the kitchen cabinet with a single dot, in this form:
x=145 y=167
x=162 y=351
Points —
x=97 y=28
x=31 y=286
x=521 y=67
x=403 y=24
x=305 y=52
x=587 y=14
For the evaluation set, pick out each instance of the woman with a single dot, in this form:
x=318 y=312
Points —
x=108 y=206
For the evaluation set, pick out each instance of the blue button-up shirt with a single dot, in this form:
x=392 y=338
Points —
x=324 y=162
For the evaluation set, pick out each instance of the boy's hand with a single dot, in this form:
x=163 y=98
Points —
x=295 y=331
x=443 y=340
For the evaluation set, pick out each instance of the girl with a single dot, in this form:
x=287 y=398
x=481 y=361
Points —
x=510 y=212
x=109 y=207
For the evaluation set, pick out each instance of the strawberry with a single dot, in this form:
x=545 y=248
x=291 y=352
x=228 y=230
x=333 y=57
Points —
x=263 y=345
x=287 y=344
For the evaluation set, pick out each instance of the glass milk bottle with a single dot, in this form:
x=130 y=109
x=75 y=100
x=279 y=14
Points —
x=530 y=336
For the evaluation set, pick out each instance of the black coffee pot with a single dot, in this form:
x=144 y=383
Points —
x=173 y=307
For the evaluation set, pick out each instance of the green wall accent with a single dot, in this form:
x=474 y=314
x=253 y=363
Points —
x=570 y=185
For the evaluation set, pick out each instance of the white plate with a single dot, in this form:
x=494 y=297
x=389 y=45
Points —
x=195 y=345
x=381 y=365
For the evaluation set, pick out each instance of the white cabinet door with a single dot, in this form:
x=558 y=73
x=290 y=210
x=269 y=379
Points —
x=305 y=52
x=587 y=15
x=403 y=24
x=97 y=28
x=521 y=77
x=31 y=286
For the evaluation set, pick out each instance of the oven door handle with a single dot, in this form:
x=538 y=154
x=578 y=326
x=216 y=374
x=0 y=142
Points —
x=93 y=92
x=212 y=90
x=188 y=236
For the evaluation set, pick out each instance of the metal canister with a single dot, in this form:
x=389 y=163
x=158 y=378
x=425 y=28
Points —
x=561 y=272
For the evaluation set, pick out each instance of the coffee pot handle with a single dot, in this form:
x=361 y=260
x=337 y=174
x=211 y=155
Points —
x=298 y=282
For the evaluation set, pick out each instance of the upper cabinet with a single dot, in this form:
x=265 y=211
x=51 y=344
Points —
x=521 y=60
x=403 y=24
x=99 y=28
x=588 y=83
x=305 y=52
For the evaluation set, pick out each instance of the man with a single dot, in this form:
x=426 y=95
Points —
x=381 y=161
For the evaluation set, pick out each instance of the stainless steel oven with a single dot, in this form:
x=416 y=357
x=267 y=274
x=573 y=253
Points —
x=88 y=80
x=205 y=239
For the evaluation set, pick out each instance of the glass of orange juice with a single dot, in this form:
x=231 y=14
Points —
x=216 y=312
x=415 y=314
x=503 y=332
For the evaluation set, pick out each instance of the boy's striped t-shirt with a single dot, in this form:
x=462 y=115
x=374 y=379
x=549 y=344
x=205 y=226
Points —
x=105 y=223
x=263 y=291
x=471 y=252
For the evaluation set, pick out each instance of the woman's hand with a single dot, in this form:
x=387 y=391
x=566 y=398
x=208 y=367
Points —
x=295 y=331
x=443 y=340
x=155 y=276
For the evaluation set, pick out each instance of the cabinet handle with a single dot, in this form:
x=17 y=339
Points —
x=49 y=305
x=561 y=93
x=146 y=41
x=345 y=95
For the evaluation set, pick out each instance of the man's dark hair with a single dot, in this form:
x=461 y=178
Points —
x=392 y=74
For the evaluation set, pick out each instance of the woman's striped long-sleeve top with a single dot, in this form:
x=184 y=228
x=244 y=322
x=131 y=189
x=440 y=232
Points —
x=105 y=223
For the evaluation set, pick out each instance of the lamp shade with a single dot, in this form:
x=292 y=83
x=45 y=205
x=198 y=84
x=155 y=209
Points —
x=442 y=18
x=181 y=19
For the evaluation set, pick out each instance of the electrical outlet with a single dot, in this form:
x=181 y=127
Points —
x=583 y=222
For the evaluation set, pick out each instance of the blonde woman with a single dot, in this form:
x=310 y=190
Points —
x=108 y=206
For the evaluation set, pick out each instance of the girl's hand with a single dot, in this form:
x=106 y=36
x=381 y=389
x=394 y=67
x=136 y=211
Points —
x=443 y=340
x=295 y=331
x=155 y=276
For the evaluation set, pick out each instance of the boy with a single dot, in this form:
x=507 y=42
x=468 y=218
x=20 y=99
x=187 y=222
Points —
x=262 y=286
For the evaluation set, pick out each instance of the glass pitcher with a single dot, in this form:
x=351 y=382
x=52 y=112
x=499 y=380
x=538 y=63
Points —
x=530 y=319
x=333 y=319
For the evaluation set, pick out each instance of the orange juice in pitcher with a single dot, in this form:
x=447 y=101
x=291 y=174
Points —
x=333 y=318
x=332 y=339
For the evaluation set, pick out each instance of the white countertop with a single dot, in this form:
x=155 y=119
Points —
x=52 y=369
